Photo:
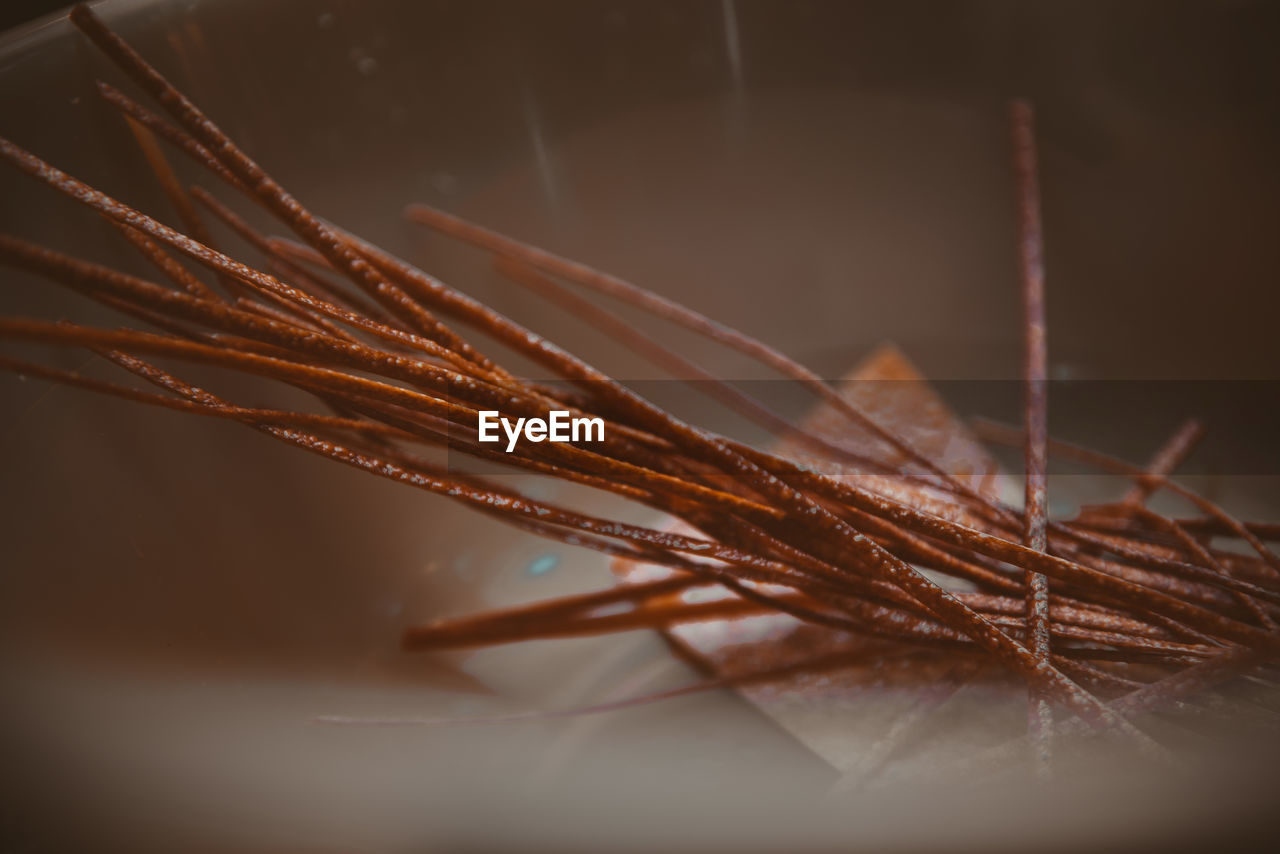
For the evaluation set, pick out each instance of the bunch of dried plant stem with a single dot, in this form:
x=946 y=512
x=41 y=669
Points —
x=1145 y=610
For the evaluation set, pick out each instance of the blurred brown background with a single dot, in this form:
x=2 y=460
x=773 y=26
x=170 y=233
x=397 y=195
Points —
x=825 y=175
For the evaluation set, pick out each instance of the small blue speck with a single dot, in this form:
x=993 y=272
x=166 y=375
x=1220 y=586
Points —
x=542 y=565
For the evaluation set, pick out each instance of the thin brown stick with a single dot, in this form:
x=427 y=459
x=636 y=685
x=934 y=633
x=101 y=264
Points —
x=1166 y=460
x=178 y=198
x=1035 y=376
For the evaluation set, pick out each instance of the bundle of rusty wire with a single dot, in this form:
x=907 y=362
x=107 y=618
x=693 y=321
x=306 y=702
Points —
x=1144 y=609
